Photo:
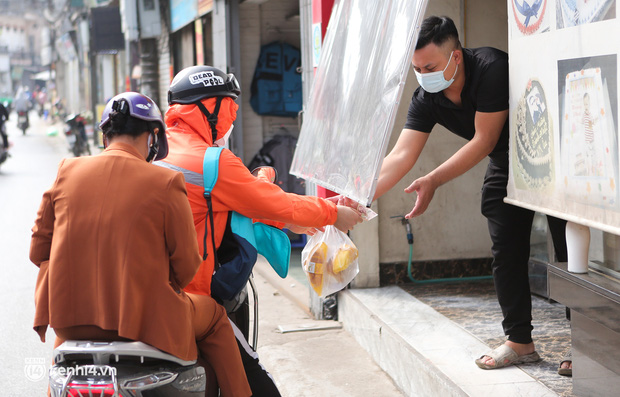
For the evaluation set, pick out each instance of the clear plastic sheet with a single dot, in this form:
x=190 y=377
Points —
x=357 y=87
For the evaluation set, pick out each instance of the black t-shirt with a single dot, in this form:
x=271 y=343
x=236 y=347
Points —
x=485 y=90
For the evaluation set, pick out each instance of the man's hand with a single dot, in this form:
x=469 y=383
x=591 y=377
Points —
x=425 y=189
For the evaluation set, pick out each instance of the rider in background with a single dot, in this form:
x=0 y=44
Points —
x=22 y=103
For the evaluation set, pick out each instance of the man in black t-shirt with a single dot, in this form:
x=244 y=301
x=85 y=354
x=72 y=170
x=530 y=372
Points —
x=466 y=91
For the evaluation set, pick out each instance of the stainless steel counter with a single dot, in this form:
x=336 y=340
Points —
x=594 y=300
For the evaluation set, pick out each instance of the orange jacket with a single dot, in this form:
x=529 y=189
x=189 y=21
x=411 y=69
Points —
x=189 y=135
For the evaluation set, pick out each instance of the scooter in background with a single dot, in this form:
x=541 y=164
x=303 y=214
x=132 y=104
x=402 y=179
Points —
x=22 y=121
x=75 y=132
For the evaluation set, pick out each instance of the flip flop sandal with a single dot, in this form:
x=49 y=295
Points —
x=504 y=356
x=568 y=358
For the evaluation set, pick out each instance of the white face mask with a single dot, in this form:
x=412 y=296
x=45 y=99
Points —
x=434 y=82
x=222 y=141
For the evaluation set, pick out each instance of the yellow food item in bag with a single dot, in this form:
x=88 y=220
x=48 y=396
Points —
x=344 y=257
x=316 y=279
x=315 y=267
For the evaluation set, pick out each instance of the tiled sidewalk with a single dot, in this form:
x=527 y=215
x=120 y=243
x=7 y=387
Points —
x=473 y=306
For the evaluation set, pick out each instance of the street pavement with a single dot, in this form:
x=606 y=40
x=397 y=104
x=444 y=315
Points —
x=310 y=362
x=24 y=177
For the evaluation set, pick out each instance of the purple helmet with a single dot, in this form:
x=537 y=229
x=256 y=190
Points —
x=143 y=108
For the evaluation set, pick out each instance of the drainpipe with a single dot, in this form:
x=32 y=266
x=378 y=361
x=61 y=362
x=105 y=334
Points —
x=149 y=65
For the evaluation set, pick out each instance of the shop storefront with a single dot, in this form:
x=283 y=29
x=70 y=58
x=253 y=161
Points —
x=565 y=162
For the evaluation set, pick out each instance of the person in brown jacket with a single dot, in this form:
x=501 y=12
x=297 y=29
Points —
x=115 y=244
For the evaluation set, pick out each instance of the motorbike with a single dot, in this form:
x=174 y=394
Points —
x=75 y=132
x=124 y=369
x=22 y=121
x=134 y=369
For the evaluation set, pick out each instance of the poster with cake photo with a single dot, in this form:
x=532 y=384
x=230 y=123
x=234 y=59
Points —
x=528 y=17
x=587 y=89
x=579 y=12
x=532 y=140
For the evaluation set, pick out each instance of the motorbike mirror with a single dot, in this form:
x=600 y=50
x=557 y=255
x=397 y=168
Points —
x=266 y=172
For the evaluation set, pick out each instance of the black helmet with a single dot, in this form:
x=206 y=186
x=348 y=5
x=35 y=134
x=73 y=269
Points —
x=195 y=83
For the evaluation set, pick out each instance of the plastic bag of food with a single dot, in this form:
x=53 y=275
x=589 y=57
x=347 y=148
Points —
x=329 y=260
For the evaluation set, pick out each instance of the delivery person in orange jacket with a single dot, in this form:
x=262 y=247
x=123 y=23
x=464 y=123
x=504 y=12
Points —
x=201 y=114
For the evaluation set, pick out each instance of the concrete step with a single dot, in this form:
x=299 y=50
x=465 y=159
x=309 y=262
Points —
x=425 y=353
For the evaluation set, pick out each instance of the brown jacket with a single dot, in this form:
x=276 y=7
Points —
x=115 y=242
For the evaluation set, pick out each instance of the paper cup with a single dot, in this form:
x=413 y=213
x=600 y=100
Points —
x=578 y=245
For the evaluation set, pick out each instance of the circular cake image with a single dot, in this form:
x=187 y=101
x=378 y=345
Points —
x=533 y=139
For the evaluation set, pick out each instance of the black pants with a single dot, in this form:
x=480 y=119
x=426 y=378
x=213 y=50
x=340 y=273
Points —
x=510 y=228
x=261 y=382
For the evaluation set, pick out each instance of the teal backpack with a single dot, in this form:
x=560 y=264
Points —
x=243 y=240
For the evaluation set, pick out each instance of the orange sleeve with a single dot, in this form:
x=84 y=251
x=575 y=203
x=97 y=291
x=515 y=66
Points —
x=238 y=190
x=279 y=225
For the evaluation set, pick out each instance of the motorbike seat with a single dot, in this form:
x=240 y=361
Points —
x=102 y=352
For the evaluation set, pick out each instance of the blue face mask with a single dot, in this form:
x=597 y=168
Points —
x=435 y=82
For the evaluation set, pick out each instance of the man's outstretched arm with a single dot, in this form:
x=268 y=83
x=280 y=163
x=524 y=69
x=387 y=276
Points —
x=400 y=160
x=488 y=129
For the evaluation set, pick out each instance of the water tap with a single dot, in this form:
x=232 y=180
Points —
x=405 y=222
